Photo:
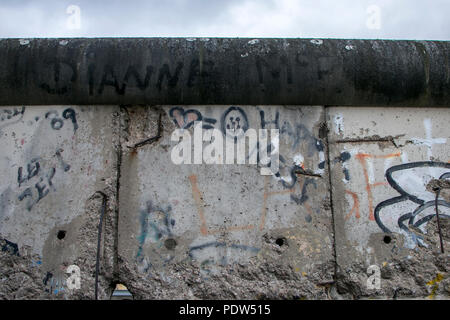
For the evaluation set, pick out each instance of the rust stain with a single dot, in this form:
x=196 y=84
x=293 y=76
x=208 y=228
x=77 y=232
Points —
x=133 y=152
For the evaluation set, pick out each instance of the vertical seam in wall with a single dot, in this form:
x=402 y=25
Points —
x=116 y=268
x=331 y=193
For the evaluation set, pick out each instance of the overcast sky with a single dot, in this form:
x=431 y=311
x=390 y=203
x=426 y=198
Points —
x=365 y=19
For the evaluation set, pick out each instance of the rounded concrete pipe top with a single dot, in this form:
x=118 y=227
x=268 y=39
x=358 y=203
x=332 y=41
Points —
x=224 y=71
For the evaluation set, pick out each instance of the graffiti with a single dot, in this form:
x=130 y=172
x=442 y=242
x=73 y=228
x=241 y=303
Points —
x=299 y=133
x=218 y=253
x=415 y=201
x=10 y=116
x=47 y=277
x=198 y=199
x=109 y=78
x=365 y=160
x=275 y=72
x=435 y=285
x=234 y=122
x=185 y=119
x=304 y=196
x=57 y=123
x=343 y=158
x=355 y=207
x=34 y=171
x=52 y=284
x=164 y=72
x=199 y=70
x=295 y=135
x=196 y=194
x=64 y=165
x=429 y=141
x=63 y=73
x=234 y=119
x=155 y=71
x=156 y=225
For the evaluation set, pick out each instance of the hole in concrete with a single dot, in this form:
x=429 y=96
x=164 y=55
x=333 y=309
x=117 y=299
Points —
x=280 y=241
x=170 y=244
x=387 y=239
x=61 y=234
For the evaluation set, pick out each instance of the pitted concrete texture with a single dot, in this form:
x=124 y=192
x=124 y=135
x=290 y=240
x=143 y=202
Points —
x=225 y=231
x=54 y=161
x=382 y=162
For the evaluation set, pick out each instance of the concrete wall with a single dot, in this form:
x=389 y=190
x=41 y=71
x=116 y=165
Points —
x=247 y=235
x=356 y=187
x=54 y=161
x=223 y=231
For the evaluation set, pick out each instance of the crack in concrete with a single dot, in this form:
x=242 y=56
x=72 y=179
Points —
x=308 y=173
x=373 y=139
x=330 y=185
x=119 y=153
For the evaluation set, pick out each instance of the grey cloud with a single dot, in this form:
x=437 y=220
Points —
x=400 y=19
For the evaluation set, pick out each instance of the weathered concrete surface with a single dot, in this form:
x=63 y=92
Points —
x=224 y=71
x=54 y=161
x=382 y=162
x=224 y=231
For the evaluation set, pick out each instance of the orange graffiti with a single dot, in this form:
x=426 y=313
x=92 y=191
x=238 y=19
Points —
x=355 y=207
x=362 y=159
x=198 y=198
x=199 y=203
x=265 y=197
x=308 y=208
x=267 y=194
